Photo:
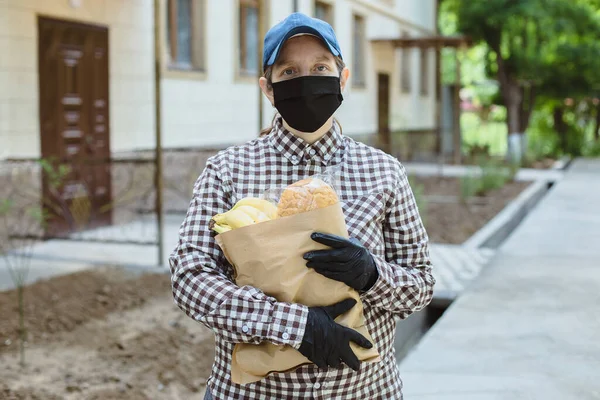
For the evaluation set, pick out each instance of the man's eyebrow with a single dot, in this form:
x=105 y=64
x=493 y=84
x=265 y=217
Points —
x=323 y=58
x=282 y=62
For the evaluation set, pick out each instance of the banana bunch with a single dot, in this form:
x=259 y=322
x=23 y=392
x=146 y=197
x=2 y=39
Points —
x=247 y=211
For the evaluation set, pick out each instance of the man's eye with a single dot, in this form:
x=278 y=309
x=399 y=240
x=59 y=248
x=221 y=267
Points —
x=321 y=68
x=288 y=71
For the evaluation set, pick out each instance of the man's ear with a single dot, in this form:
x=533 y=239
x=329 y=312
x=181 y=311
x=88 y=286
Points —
x=344 y=78
x=262 y=82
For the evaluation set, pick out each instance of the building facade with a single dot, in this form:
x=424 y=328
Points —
x=78 y=75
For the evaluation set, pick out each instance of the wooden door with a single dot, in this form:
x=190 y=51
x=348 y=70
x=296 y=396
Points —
x=383 y=111
x=74 y=122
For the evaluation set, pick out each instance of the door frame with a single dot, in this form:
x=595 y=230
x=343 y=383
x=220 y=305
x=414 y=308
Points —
x=383 y=132
x=49 y=99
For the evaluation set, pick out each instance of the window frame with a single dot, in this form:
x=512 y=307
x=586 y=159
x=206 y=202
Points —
x=197 y=37
x=329 y=10
x=360 y=83
x=241 y=38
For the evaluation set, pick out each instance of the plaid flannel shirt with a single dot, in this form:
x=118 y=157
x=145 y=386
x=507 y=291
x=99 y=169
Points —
x=380 y=211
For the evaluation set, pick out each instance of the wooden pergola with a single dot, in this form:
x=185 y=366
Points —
x=435 y=41
x=438 y=42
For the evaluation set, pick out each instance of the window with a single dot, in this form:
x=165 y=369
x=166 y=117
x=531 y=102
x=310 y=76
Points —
x=424 y=72
x=358 y=51
x=405 y=65
x=185 y=34
x=324 y=11
x=249 y=14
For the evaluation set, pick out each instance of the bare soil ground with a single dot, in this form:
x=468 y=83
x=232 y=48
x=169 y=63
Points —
x=103 y=334
x=450 y=220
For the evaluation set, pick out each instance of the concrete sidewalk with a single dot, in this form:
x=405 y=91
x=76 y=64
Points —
x=59 y=257
x=529 y=326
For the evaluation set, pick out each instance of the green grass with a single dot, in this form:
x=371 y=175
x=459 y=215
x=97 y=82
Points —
x=493 y=175
x=474 y=132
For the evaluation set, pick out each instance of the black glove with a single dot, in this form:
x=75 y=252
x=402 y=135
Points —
x=347 y=262
x=327 y=343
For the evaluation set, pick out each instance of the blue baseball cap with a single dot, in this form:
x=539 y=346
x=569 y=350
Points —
x=295 y=24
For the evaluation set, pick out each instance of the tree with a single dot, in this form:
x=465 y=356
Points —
x=574 y=88
x=523 y=37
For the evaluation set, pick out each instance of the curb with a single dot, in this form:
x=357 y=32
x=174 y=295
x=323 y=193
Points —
x=562 y=163
x=492 y=234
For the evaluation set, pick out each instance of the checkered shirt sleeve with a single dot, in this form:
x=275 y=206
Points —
x=201 y=277
x=405 y=282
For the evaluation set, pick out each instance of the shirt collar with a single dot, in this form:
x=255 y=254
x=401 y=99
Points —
x=297 y=150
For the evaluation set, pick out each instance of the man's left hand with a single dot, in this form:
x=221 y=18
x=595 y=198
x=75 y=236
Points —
x=347 y=261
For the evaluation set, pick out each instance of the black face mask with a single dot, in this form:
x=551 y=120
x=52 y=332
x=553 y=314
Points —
x=306 y=103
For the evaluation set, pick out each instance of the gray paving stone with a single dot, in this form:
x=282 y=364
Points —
x=529 y=325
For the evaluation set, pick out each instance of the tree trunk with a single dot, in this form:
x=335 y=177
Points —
x=560 y=126
x=513 y=99
x=519 y=106
x=22 y=332
x=527 y=107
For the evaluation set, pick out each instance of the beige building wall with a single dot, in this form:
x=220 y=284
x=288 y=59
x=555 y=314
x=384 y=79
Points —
x=130 y=25
x=212 y=108
x=408 y=111
x=218 y=107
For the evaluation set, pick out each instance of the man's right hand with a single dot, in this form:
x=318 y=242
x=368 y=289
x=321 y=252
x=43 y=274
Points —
x=327 y=343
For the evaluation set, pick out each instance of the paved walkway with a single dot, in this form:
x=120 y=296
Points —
x=529 y=326
x=454 y=268
x=57 y=257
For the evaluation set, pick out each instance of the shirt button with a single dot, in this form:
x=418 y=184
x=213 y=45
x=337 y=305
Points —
x=245 y=329
x=317 y=385
x=294 y=158
x=285 y=336
x=312 y=152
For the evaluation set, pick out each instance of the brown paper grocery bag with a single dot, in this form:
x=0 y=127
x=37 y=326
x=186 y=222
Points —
x=269 y=256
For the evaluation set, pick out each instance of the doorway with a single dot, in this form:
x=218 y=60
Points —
x=383 y=111
x=74 y=124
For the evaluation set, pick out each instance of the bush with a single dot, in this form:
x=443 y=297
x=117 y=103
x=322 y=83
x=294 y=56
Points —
x=492 y=175
x=545 y=142
x=592 y=149
x=469 y=186
x=542 y=139
x=481 y=134
x=498 y=114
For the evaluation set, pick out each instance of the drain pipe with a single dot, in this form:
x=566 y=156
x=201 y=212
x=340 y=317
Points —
x=158 y=166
